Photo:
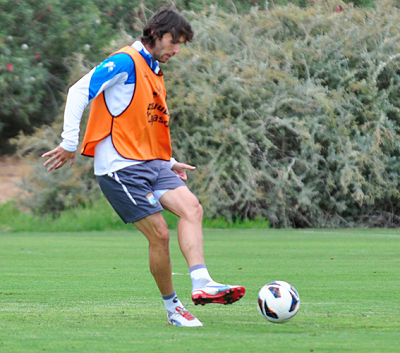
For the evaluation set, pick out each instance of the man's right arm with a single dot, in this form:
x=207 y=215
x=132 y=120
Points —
x=77 y=100
x=114 y=70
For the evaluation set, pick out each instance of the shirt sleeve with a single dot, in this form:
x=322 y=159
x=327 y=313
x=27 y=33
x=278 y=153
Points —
x=117 y=69
x=170 y=163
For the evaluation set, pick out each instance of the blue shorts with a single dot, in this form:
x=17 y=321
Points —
x=133 y=191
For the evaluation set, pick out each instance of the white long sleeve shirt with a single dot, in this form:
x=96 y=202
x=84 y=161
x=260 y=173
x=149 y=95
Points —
x=115 y=76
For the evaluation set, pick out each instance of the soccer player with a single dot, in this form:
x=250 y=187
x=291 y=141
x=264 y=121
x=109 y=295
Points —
x=128 y=135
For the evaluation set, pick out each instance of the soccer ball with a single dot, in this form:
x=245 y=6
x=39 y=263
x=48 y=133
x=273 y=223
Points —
x=278 y=301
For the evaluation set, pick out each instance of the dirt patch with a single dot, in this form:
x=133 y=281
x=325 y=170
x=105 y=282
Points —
x=12 y=170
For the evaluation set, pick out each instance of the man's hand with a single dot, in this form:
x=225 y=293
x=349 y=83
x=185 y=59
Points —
x=58 y=157
x=180 y=169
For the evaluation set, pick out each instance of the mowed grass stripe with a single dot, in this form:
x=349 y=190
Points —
x=92 y=292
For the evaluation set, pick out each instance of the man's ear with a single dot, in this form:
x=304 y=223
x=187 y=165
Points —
x=154 y=34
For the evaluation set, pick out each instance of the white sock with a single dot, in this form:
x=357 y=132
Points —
x=200 y=277
x=171 y=301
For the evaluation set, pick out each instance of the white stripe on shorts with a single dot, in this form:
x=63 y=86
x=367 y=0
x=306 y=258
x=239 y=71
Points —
x=115 y=176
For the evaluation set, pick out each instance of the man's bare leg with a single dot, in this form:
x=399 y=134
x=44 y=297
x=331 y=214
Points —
x=184 y=204
x=155 y=230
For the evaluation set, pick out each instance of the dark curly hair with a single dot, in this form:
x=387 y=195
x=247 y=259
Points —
x=166 y=20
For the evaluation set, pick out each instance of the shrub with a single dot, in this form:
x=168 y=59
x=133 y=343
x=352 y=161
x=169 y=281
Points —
x=292 y=114
x=289 y=114
x=35 y=39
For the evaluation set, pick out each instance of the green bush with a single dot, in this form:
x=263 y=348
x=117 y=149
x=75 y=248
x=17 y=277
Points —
x=35 y=39
x=292 y=114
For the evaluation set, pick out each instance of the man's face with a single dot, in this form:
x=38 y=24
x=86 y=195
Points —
x=165 y=48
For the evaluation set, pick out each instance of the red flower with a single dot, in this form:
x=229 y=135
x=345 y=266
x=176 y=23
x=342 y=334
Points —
x=37 y=56
x=10 y=67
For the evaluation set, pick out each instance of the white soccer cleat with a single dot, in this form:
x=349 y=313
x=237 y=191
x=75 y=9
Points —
x=218 y=294
x=182 y=318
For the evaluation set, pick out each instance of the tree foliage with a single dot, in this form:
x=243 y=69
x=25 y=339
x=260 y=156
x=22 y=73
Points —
x=35 y=39
x=290 y=114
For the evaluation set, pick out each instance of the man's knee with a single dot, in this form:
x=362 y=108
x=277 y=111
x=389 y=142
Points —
x=183 y=203
x=162 y=234
x=159 y=234
x=155 y=229
x=194 y=210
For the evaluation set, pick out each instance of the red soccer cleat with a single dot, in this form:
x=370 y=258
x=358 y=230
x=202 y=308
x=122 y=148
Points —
x=221 y=294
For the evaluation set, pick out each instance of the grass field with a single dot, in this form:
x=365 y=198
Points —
x=92 y=292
